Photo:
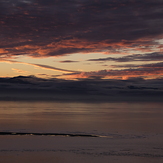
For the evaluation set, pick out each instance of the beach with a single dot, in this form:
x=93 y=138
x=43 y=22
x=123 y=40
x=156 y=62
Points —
x=71 y=132
x=116 y=149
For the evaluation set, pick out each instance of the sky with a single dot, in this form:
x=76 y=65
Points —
x=74 y=39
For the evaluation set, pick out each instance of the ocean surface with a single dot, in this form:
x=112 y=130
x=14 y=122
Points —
x=86 y=118
x=64 y=132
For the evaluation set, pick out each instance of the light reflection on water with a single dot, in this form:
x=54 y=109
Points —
x=81 y=117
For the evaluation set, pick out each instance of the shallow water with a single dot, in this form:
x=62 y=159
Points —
x=92 y=118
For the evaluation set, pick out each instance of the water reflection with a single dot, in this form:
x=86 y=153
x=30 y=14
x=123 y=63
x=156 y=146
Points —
x=81 y=117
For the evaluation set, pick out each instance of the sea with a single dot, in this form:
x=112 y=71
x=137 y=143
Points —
x=81 y=117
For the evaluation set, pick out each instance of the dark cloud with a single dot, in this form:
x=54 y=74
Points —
x=125 y=71
x=32 y=88
x=53 y=68
x=58 y=27
x=156 y=56
x=125 y=66
x=68 y=61
x=147 y=66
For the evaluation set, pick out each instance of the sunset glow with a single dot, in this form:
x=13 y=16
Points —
x=106 y=39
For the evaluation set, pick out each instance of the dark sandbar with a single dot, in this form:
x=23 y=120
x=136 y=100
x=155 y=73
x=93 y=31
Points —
x=48 y=134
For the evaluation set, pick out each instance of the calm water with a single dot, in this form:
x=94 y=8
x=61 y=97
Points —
x=96 y=118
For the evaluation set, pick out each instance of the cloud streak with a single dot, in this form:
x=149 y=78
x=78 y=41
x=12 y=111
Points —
x=41 y=66
x=156 y=56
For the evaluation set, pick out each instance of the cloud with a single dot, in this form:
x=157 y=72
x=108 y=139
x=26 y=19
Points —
x=68 y=61
x=151 y=65
x=19 y=71
x=94 y=90
x=125 y=71
x=41 y=66
x=156 y=56
x=53 y=68
x=39 y=28
x=145 y=71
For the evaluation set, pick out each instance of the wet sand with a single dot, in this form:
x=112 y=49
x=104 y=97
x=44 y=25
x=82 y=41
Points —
x=123 y=148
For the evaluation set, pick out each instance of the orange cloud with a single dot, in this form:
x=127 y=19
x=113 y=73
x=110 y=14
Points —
x=123 y=74
x=76 y=45
x=3 y=50
x=20 y=71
